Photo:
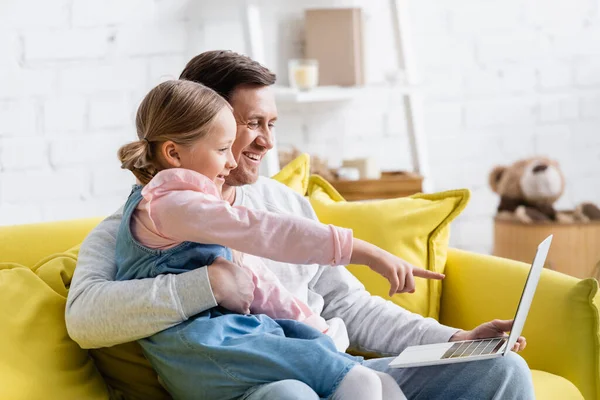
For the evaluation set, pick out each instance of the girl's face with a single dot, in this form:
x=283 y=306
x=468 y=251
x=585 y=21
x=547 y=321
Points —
x=211 y=155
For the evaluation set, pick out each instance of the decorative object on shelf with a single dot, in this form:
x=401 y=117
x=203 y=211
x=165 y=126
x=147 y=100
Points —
x=303 y=73
x=348 y=173
x=528 y=190
x=390 y=185
x=334 y=37
x=368 y=167
x=318 y=166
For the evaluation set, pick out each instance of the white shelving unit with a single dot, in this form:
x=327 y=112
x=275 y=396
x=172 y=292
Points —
x=287 y=94
x=406 y=62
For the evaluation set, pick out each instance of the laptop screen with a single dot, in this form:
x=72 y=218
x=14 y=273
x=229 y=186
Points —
x=527 y=296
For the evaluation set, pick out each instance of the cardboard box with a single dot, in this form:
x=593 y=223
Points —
x=334 y=37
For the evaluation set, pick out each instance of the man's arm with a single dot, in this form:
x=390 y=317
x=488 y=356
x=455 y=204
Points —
x=374 y=324
x=102 y=312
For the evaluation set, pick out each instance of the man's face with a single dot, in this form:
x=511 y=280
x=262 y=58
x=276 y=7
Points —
x=255 y=114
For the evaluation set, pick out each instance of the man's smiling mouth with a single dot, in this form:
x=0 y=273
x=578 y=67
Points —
x=253 y=156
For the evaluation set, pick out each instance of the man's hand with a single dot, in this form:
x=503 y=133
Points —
x=495 y=328
x=232 y=285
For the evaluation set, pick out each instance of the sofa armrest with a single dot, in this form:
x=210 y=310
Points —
x=562 y=326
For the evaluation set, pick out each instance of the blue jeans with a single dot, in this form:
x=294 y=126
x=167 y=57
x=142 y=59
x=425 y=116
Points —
x=500 y=378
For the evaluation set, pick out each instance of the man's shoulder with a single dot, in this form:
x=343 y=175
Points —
x=269 y=185
x=276 y=196
x=109 y=225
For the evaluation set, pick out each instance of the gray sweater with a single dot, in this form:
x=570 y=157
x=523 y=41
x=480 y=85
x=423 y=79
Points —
x=102 y=312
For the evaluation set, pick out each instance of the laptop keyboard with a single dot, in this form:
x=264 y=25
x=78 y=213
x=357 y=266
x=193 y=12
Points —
x=474 y=348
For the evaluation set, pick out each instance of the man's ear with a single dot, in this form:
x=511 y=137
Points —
x=495 y=177
x=169 y=152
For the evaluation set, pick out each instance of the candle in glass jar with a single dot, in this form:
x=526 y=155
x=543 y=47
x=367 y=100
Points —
x=303 y=74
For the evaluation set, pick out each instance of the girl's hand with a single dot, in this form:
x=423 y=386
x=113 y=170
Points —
x=400 y=273
x=397 y=271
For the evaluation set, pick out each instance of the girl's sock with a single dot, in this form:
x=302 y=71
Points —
x=390 y=388
x=360 y=383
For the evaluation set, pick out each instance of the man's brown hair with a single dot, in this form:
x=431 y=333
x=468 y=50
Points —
x=224 y=70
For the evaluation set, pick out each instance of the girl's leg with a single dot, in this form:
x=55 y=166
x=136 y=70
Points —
x=282 y=390
x=360 y=383
x=224 y=356
x=390 y=389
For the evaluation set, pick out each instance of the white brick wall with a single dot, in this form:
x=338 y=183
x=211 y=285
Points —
x=503 y=80
x=71 y=76
x=67 y=44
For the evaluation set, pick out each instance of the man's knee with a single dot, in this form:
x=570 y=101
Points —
x=289 y=389
x=514 y=376
x=514 y=364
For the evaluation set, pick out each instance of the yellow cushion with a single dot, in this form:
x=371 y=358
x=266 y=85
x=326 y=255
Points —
x=548 y=386
x=295 y=174
x=414 y=228
x=38 y=358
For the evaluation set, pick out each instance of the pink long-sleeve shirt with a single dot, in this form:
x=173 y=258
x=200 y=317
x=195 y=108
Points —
x=182 y=205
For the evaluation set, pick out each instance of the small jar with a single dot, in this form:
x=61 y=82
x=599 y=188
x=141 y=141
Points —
x=303 y=73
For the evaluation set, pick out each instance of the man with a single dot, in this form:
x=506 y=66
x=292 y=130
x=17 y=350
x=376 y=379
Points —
x=101 y=312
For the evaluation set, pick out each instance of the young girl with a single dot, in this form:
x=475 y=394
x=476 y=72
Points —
x=178 y=222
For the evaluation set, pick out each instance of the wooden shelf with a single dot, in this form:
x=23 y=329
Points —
x=391 y=185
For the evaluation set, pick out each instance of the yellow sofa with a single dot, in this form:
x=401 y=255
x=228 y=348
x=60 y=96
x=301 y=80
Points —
x=562 y=328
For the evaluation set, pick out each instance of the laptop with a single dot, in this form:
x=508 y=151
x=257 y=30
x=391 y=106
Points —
x=480 y=349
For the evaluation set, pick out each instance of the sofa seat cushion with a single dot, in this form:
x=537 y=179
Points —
x=549 y=386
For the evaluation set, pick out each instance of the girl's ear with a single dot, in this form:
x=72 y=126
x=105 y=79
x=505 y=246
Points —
x=170 y=153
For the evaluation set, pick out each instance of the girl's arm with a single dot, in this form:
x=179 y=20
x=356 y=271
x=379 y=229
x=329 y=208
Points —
x=184 y=207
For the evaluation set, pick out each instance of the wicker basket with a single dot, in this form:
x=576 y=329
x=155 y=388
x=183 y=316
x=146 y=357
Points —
x=575 y=247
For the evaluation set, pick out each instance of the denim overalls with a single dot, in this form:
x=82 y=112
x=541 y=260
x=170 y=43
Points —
x=218 y=354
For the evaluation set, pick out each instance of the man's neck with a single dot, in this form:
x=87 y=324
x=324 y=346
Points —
x=228 y=193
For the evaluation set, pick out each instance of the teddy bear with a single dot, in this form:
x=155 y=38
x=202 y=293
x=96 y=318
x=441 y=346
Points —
x=528 y=190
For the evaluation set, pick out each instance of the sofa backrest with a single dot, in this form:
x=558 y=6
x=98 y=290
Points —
x=27 y=244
